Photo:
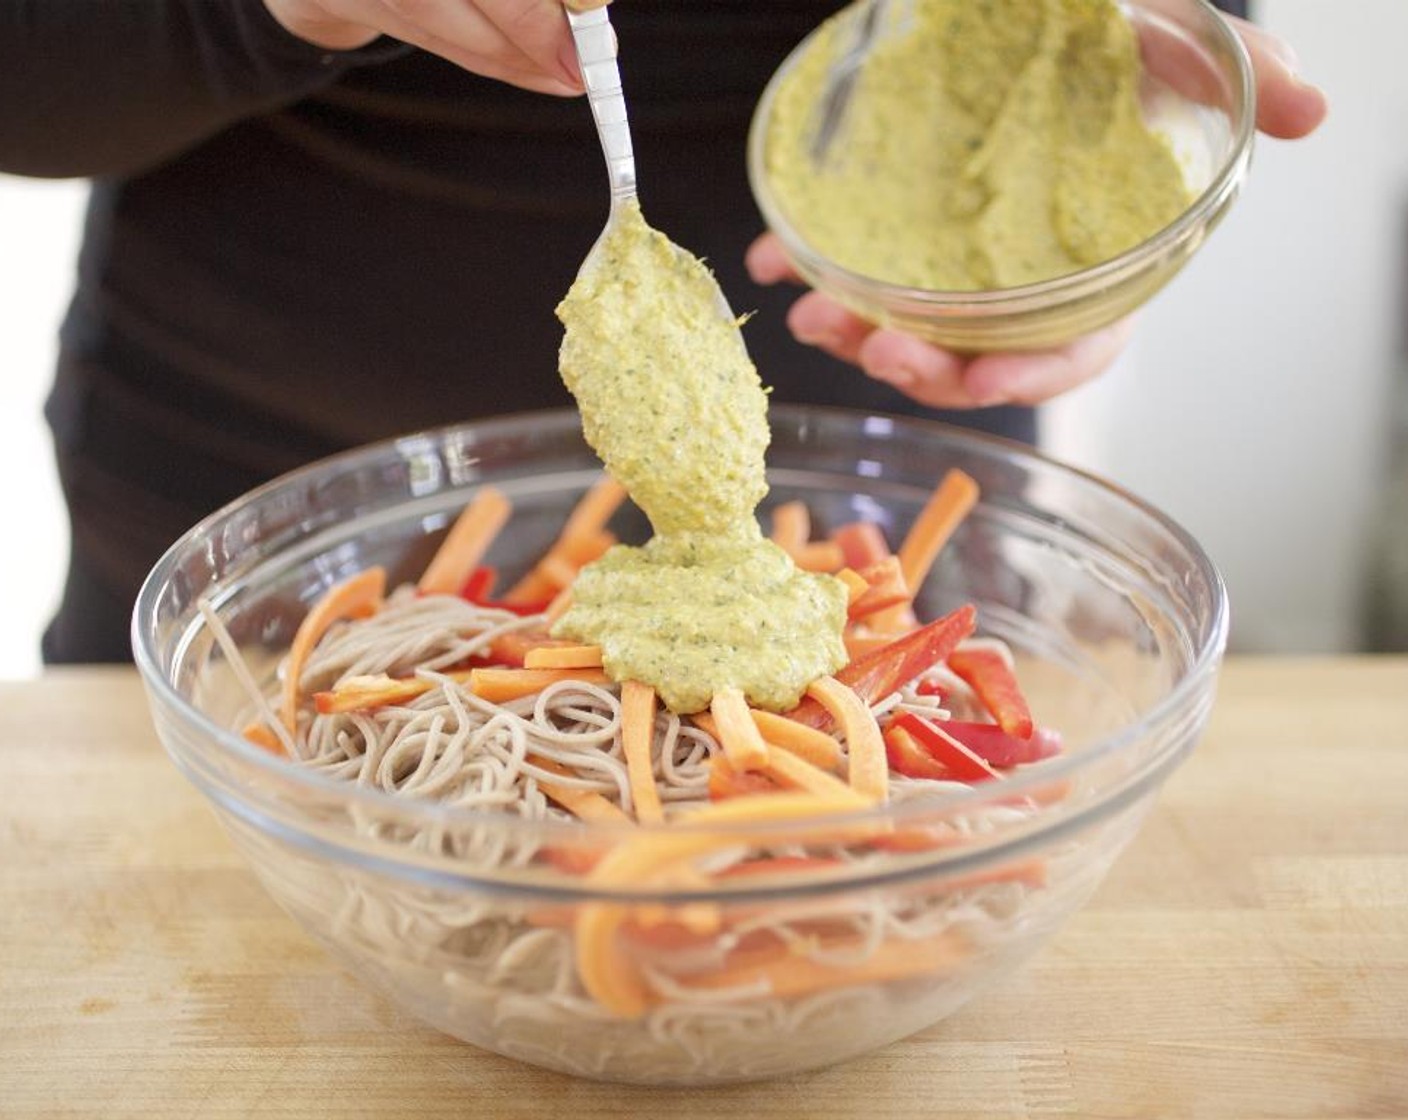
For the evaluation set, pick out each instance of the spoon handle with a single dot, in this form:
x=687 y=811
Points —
x=596 y=52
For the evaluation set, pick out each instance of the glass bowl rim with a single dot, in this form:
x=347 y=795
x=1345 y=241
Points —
x=1043 y=293
x=227 y=743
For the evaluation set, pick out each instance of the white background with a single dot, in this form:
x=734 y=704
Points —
x=1254 y=406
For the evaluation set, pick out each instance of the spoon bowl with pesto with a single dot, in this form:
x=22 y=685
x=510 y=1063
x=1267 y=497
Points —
x=596 y=45
x=1007 y=184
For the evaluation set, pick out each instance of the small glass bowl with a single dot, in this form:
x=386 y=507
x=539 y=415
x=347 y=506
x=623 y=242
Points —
x=1196 y=89
x=1117 y=620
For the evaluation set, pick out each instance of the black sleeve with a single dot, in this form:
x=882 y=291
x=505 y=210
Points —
x=107 y=87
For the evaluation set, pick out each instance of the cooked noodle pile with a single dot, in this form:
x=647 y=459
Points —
x=680 y=992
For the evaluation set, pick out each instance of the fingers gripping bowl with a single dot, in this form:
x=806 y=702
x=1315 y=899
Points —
x=915 y=177
x=1116 y=620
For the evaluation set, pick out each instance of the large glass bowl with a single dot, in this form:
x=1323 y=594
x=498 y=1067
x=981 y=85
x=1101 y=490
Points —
x=1116 y=617
x=1196 y=89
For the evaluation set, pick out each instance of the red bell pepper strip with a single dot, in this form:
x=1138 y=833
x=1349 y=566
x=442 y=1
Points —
x=480 y=584
x=987 y=673
x=862 y=544
x=876 y=674
x=998 y=748
x=960 y=764
x=910 y=759
x=478 y=588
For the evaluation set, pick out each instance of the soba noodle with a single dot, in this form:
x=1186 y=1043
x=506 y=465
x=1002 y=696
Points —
x=488 y=970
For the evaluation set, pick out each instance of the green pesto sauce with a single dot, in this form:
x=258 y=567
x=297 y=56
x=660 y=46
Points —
x=998 y=143
x=674 y=408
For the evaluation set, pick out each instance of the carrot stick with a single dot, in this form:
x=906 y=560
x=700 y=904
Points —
x=579 y=542
x=793 y=773
x=791 y=526
x=560 y=566
x=819 y=556
x=360 y=694
x=868 y=769
x=816 y=747
x=466 y=543
x=261 y=736
x=584 y=803
x=607 y=970
x=796 y=975
x=856 y=584
x=637 y=734
x=355 y=597
x=941 y=515
x=499 y=686
x=807 y=743
x=737 y=733
x=563 y=657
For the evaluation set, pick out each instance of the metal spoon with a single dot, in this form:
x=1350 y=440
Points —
x=595 y=40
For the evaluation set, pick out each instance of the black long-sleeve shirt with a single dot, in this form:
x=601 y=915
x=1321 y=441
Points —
x=289 y=250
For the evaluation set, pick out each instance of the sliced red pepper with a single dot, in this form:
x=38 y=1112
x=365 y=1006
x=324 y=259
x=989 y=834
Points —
x=999 y=748
x=910 y=759
x=480 y=584
x=862 y=544
x=987 y=673
x=929 y=688
x=961 y=764
x=876 y=674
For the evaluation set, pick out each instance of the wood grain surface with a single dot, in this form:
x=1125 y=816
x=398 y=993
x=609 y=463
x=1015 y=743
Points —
x=1247 y=958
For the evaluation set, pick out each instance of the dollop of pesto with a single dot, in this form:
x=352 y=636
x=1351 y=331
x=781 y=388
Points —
x=672 y=404
x=995 y=143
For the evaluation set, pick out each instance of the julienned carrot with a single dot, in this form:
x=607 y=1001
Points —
x=786 y=973
x=816 y=747
x=726 y=783
x=357 y=694
x=579 y=542
x=261 y=736
x=466 y=543
x=950 y=503
x=819 y=556
x=637 y=734
x=856 y=584
x=586 y=804
x=607 y=970
x=868 y=772
x=807 y=743
x=791 y=526
x=737 y=733
x=355 y=597
x=560 y=566
x=499 y=686
x=792 y=772
x=563 y=657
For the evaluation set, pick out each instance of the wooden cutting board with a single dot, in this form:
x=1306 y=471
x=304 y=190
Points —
x=1247 y=958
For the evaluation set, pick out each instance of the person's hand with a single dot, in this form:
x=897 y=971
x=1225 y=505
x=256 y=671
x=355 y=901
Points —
x=523 y=42
x=1287 y=108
